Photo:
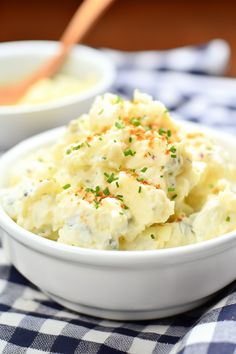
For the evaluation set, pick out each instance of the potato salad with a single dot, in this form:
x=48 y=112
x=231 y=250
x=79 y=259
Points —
x=125 y=176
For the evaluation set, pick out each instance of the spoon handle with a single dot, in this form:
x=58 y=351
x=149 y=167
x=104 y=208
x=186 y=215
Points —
x=82 y=21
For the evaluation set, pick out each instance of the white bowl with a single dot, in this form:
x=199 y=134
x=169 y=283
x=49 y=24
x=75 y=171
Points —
x=120 y=285
x=18 y=59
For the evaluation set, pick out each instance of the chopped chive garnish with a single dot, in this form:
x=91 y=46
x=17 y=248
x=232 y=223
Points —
x=119 y=125
x=66 y=186
x=171 y=189
x=106 y=191
x=129 y=152
x=152 y=236
x=100 y=138
x=68 y=151
x=89 y=190
x=117 y=185
x=140 y=189
x=161 y=131
x=88 y=145
x=110 y=178
x=77 y=147
x=97 y=190
x=228 y=219
x=173 y=156
x=135 y=121
x=130 y=139
x=144 y=169
x=120 y=197
x=174 y=196
x=102 y=110
x=96 y=204
x=169 y=133
x=140 y=179
x=126 y=207
x=173 y=149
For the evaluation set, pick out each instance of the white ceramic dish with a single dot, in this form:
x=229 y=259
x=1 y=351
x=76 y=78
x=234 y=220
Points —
x=18 y=59
x=121 y=285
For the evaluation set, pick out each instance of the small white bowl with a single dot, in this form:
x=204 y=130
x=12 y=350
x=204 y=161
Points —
x=18 y=59
x=120 y=285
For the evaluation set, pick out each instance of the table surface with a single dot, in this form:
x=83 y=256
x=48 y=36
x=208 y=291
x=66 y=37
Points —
x=129 y=24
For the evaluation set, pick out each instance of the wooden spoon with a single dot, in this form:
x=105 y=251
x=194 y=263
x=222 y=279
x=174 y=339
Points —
x=82 y=21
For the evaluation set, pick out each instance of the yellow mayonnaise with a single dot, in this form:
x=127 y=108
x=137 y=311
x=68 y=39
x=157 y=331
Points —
x=53 y=89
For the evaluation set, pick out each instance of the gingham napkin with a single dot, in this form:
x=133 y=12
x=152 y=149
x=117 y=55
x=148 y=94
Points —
x=31 y=323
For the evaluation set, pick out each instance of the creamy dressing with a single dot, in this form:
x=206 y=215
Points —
x=53 y=89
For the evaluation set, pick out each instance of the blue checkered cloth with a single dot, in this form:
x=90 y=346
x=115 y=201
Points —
x=32 y=323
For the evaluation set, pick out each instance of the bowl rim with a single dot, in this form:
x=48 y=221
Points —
x=77 y=254
x=98 y=57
